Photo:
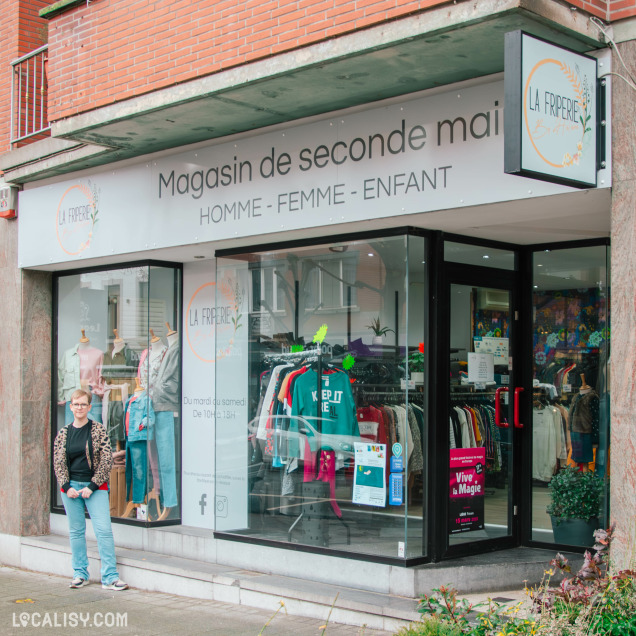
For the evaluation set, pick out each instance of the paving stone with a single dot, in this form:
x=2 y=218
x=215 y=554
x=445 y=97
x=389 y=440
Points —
x=147 y=613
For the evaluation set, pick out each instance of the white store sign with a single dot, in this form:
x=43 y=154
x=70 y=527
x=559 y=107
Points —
x=551 y=111
x=437 y=152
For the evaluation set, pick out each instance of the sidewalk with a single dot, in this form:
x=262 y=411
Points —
x=34 y=603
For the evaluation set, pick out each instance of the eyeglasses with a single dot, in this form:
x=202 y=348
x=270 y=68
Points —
x=80 y=405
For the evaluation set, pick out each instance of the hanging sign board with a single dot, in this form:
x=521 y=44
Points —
x=550 y=112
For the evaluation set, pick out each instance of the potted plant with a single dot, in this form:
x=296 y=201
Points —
x=378 y=330
x=575 y=506
x=416 y=365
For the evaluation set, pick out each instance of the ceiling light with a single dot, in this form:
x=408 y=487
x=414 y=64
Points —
x=485 y=256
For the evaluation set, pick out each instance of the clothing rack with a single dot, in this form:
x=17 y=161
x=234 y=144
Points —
x=312 y=356
x=288 y=357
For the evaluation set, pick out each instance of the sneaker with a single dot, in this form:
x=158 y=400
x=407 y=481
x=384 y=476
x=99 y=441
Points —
x=77 y=582
x=117 y=585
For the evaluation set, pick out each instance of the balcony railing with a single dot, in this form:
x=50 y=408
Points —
x=29 y=96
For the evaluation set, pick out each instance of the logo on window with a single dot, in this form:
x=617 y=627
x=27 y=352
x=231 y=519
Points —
x=76 y=218
x=199 y=322
x=205 y=316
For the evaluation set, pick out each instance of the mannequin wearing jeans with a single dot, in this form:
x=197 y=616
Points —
x=139 y=424
x=82 y=460
x=165 y=401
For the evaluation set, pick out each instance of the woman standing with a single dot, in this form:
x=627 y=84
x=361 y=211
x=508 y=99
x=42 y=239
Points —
x=82 y=460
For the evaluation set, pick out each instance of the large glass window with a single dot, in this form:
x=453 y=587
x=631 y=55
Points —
x=118 y=338
x=321 y=416
x=570 y=422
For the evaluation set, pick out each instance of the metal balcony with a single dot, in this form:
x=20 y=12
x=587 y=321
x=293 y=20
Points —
x=29 y=96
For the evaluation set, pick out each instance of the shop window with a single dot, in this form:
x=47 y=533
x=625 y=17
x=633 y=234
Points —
x=331 y=282
x=571 y=416
x=268 y=289
x=117 y=337
x=320 y=433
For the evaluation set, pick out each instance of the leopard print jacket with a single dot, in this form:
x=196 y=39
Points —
x=100 y=456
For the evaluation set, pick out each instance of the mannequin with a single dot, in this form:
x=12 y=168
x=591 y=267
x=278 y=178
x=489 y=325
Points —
x=165 y=394
x=139 y=424
x=150 y=360
x=584 y=424
x=585 y=387
x=118 y=372
x=171 y=336
x=118 y=343
x=80 y=368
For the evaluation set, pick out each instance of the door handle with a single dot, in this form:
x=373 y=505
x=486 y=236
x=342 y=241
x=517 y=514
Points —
x=518 y=424
x=498 y=421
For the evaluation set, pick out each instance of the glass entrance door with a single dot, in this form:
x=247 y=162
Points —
x=483 y=413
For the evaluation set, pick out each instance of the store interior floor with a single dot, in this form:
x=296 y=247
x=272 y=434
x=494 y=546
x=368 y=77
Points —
x=384 y=532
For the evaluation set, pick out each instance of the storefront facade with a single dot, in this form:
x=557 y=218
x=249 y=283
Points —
x=188 y=384
x=352 y=334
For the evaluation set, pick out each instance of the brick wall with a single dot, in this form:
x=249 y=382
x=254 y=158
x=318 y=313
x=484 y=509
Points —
x=8 y=48
x=117 y=49
x=622 y=9
x=22 y=31
x=607 y=10
x=111 y=50
x=599 y=8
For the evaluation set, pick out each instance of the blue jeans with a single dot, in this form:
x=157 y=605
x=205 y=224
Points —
x=164 y=438
x=98 y=507
x=136 y=470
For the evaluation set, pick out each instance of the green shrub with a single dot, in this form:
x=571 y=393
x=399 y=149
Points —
x=575 y=495
x=595 y=600
x=431 y=626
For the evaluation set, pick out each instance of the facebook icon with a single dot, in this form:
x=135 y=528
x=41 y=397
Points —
x=203 y=503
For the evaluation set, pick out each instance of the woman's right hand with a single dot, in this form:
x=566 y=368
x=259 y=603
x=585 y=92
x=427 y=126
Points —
x=72 y=493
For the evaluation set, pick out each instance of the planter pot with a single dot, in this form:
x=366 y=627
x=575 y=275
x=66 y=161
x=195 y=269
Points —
x=417 y=377
x=377 y=340
x=575 y=531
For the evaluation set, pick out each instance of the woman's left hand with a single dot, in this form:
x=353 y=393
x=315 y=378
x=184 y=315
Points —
x=85 y=492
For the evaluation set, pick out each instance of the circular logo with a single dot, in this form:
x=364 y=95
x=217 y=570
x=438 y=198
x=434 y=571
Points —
x=557 y=125
x=76 y=218
x=200 y=321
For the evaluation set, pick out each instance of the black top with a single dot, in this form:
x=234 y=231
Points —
x=79 y=469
